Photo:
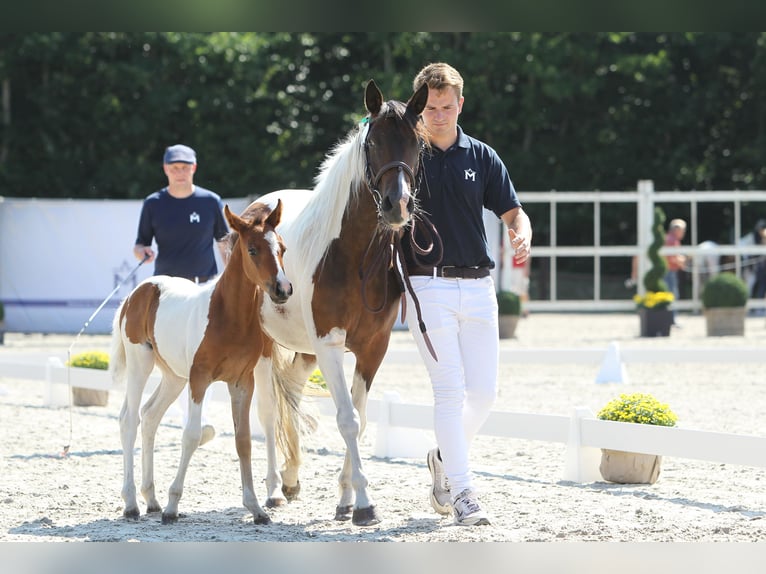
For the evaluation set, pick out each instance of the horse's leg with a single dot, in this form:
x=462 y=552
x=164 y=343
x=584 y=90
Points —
x=189 y=443
x=353 y=482
x=241 y=397
x=139 y=363
x=266 y=404
x=167 y=391
x=300 y=370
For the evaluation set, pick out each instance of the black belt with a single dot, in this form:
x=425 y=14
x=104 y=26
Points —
x=200 y=279
x=451 y=272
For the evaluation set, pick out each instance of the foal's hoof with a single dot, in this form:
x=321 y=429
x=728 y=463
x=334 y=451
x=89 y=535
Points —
x=132 y=514
x=291 y=492
x=169 y=518
x=261 y=519
x=343 y=513
x=365 y=516
x=275 y=502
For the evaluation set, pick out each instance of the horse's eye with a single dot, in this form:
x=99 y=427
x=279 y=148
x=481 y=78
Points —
x=252 y=251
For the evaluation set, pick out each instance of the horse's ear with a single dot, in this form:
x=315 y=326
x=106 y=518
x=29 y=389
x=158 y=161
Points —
x=373 y=99
x=235 y=222
x=417 y=102
x=276 y=215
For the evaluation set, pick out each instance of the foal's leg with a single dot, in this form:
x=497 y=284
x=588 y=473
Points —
x=139 y=364
x=241 y=397
x=167 y=391
x=267 y=407
x=189 y=443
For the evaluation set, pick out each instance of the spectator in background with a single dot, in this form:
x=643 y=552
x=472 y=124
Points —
x=676 y=262
x=184 y=220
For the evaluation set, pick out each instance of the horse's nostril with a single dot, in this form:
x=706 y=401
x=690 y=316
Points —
x=386 y=204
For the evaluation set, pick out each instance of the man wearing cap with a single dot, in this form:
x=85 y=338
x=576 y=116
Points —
x=184 y=220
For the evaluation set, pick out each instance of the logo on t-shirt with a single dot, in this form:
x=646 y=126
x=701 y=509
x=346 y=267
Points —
x=194 y=217
x=470 y=174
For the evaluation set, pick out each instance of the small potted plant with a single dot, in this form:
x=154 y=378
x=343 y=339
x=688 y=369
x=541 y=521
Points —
x=654 y=306
x=84 y=397
x=316 y=385
x=724 y=301
x=628 y=467
x=509 y=311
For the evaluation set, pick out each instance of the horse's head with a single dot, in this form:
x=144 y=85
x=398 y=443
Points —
x=261 y=248
x=393 y=141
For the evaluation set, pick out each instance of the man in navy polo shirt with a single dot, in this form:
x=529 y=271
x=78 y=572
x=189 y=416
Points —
x=184 y=220
x=461 y=176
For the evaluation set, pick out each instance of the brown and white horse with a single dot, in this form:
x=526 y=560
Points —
x=340 y=238
x=199 y=334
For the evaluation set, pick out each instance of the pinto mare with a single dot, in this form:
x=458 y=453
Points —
x=199 y=334
x=340 y=238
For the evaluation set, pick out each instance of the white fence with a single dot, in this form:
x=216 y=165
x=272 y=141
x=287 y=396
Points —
x=582 y=433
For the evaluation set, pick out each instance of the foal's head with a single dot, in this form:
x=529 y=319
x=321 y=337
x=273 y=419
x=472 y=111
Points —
x=261 y=248
x=393 y=142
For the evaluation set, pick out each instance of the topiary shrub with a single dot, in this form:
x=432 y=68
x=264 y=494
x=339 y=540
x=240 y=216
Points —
x=725 y=290
x=654 y=279
x=508 y=303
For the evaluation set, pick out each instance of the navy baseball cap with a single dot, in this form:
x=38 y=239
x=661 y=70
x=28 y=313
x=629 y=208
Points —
x=180 y=153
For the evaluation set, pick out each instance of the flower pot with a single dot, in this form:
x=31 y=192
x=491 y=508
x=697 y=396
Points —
x=629 y=467
x=507 y=325
x=725 y=321
x=83 y=397
x=655 y=322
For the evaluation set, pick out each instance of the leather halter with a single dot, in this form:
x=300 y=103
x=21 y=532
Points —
x=373 y=179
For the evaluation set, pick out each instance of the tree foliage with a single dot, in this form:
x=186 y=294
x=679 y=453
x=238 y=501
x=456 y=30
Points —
x=89 y=114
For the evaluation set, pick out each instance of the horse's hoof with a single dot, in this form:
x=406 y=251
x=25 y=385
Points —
x=291 y=492
x=343 y=513
x=275 y=502
x=169 y=518
x=263 y=519
x=153 y=508
x=365 y=516
x=132 y=514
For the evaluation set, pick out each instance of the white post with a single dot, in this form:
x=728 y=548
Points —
x=612 y=368
x=582 y=462
x=54 y=395
x=382 y=438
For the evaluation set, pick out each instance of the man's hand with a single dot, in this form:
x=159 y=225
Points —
x=522 y=246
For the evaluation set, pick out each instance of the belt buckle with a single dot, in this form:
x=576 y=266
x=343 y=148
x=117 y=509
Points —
x=444 y=268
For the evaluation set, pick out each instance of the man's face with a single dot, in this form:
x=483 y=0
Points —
x=179 y=172
x=441 y=112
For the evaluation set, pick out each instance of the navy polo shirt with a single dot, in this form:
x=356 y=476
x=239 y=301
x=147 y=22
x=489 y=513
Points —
x=184 y=230
x=454 y=186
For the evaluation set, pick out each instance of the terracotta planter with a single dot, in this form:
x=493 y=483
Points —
x=629 y=467
x=507 y=326
x=725 y=321
x=82 y=397
x=655 y=322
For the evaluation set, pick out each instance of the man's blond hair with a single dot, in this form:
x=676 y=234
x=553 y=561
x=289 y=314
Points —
x=439 y=76
x=677 y=224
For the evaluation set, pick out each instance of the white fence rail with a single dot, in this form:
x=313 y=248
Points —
x=582 y=433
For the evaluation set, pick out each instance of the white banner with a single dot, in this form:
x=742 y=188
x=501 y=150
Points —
x=60 y=258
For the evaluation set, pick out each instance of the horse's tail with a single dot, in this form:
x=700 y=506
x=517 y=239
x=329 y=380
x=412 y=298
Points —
x=117 y=361
x=288 y=377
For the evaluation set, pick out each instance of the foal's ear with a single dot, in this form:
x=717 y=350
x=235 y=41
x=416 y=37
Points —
x=235 y=222
x=276 y=215
x=373 y=99
x=417 y=102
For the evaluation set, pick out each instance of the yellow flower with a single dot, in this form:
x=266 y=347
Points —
x=654 y=299
x=638 y=408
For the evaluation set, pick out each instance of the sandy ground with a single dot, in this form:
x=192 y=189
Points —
x=47 y=497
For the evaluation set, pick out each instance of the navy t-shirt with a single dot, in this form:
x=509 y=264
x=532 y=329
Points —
x=454 y=188
x=184 y=230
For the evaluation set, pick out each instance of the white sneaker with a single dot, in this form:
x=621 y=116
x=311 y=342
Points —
x=467 y=510
x=439 y=494
x=208 y=434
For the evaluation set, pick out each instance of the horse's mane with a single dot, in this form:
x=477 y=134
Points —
x=335 y=185
x=256 y=214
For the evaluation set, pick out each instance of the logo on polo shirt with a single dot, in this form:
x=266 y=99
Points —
x=194 y=217
x=470 y=174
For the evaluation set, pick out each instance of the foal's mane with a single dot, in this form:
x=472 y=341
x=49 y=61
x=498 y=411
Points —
x=337 y=184
x=255 y=214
